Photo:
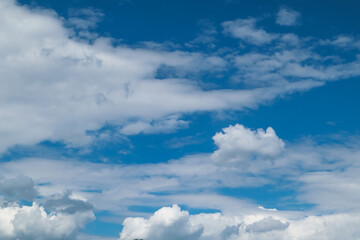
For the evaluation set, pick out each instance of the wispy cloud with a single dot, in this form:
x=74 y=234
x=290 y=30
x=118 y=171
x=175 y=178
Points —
x=287 y=17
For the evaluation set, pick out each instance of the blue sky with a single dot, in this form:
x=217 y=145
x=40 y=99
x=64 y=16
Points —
x=205 y=120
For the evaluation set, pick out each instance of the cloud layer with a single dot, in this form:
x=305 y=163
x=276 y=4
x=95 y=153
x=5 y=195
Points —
x=250 y=227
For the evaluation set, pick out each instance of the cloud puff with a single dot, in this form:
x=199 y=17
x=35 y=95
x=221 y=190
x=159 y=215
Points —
x=66 y=204
x=166 y=223
x=21 y=187
x=33 y=222
x=58 y=219
x=238 y=144
x=246 y=30
x=287 y=17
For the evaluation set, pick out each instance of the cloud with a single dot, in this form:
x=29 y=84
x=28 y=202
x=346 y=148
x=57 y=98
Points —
x=166 y=223
x=21 y=187
x=68 y=205
x=58 y=219
x=287 y=17
x=84 y=18
x=170 y=124
x=238 y=144
x=78 y=87
x=266 y=225
x=245 y=158
x=33 y=222
x=343 y=41
x=246 y=30
x=250 y=227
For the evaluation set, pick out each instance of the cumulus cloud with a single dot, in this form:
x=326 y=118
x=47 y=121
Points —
x=250 y=227
x=166 y=223
x=60 y=218
x=287 y=17
x=33 y=222
x=246 y=30
x=66 y=204
x=21 y=187
x=238 y=144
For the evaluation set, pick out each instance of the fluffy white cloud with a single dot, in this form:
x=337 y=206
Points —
x=166 y=223
x=250 y=227
x=59 y=218
x=287 y=17
x=33 y=222
x=238 y=144
x=246 y=30
x=55 y=87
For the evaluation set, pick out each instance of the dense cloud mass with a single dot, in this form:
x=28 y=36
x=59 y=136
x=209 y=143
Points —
x=240 y=144
x=21 y=187
x=43 y=222
x=32 y=222
x=166 y=223
x=249 y=227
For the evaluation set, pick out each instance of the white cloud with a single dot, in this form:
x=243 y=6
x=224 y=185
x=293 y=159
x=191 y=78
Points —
x=33 y=222
x=60 y=218
x=266 y=225
x=246 y=30
x=287 y=17
x=57 y=88
x=166 y=223
x=250 y=227
x=238 y=144
x=260 y=158
x=166 y=125
x=343 y=41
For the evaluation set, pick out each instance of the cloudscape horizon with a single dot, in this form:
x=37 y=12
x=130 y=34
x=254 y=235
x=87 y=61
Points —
x=182 y=120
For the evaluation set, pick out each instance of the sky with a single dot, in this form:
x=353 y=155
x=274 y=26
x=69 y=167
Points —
x=183 y=120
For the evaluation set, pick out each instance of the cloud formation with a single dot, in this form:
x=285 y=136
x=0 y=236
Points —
x=238 y=144
x=18 y=188
x=246 y=30
x=57 y=219
x=166 y=223
x=287 y=17
x=250 y=227
x=56 y=87
x=33 y=222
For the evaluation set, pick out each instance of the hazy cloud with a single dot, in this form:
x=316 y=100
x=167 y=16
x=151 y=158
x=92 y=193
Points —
x=287 y=17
